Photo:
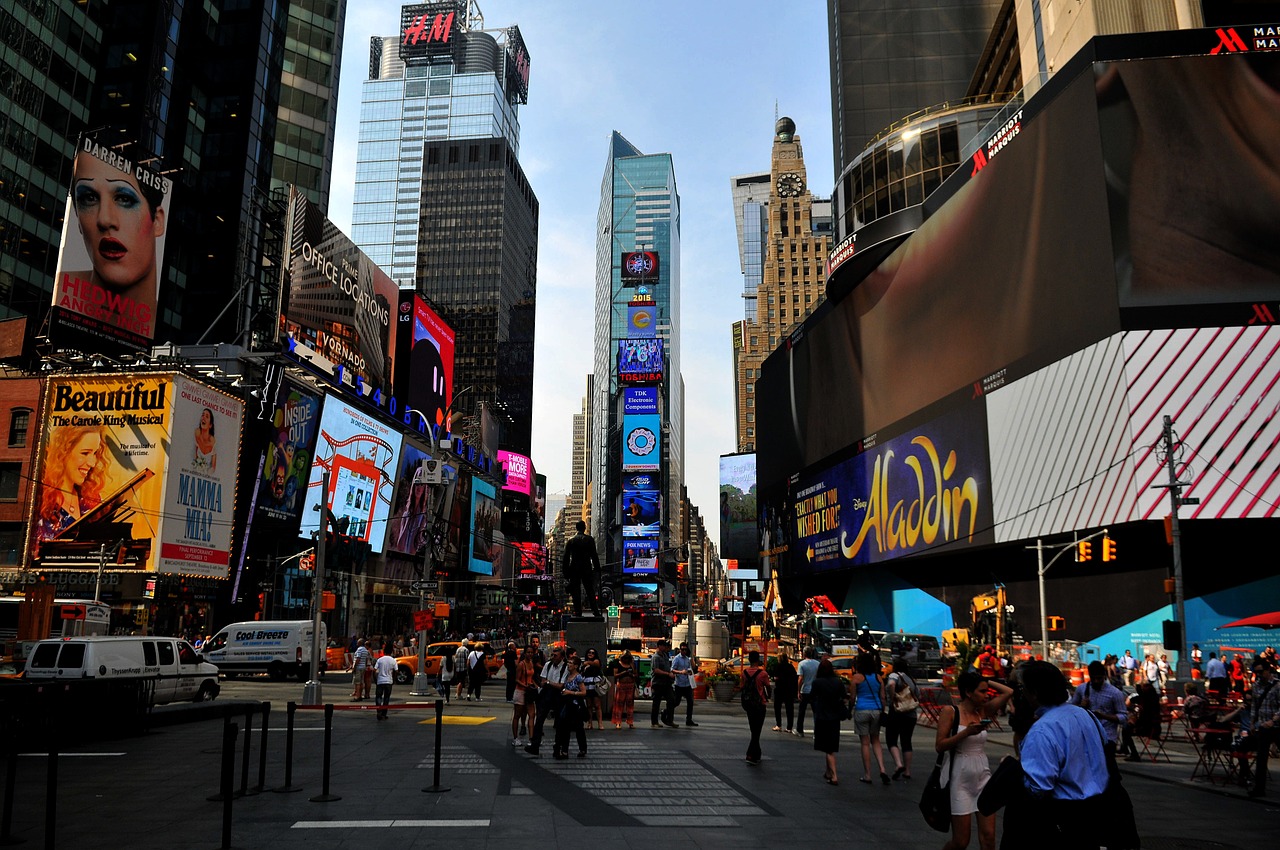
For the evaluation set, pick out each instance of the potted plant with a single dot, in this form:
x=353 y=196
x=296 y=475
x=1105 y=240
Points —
x=722 y=682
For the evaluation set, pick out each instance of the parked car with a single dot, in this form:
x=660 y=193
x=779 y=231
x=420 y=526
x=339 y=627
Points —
x=175 y=668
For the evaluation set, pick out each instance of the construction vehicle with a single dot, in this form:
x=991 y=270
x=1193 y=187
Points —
x=822 y=625
x=991 y=624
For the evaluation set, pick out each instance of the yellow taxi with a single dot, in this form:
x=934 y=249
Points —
x=407 y=665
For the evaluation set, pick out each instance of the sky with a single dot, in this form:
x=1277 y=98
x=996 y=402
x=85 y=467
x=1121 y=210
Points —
x=700 y=80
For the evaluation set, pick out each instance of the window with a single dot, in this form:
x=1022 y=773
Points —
x=18 y=423
x=10 y=481
x=751 y=432
x=166 y=651
x=149 y=653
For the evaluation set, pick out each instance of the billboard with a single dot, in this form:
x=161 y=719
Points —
x=424 y=359
x=200 y=486
x=641 y=481
x=642 y=319
x=640 y=361
x=641 y=448
x=639 y=400
x=431 y=29
x=640 y=556
x=641 y=513
x=519 y=472
x=639 y=267
x=338 y=305
x=113 y=235
x=292 y=426
x=407 y=529
x=487 y=543
x=739 y=531
x=360 y=454
x=921 y=491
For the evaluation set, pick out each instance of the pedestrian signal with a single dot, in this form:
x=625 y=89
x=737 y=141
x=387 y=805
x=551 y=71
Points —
x=1084 y=551
x=1056 y=624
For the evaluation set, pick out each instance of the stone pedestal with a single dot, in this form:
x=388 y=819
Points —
x=583 y=633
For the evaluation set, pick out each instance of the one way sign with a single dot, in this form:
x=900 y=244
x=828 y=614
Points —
x=424 y=585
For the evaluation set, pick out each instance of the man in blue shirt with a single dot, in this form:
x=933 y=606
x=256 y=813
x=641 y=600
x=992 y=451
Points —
x=681 y=667
x=1216 y=672
x=807 y=671
x=1103 y=699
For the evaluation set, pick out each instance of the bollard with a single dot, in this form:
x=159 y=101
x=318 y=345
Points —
x=244 y=761
x=51 y=781
x=324 y=796
x=288 y=787
x=226 y=725
x=436 y=787
x=227 y=796
x=262 y=750
x=10 y=777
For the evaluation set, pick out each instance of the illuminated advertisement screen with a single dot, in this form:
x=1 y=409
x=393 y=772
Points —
x=641 y=481
x=110 y=266
x=431 y=29
x=739 y=531
x=360 y=454
x=339 y=306
x=293 y=422
x=519 y=472
x=641 y=449
x=642 y=320
x=639 y=400
x=531 y=558
x=409 y=522
x=922 y=491
x=640 y=361
x=639 y=267
x=487 y=543
x=641 y=513
x=424 y=358
x=640 y=556
x=639 y=591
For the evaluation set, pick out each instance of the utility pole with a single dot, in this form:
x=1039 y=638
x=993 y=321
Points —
x=420 y=681
x=1176 y=501
x=311 y=691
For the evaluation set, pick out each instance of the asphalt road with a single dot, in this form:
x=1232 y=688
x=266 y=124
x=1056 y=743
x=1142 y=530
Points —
x=689 y=787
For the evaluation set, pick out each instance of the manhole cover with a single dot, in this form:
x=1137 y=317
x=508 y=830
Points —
x=1183 y=843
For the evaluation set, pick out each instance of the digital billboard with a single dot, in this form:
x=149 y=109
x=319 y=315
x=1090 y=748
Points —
x=112 y=258
x=519 y=472
x=487 y=543
x=200 y=486
x=360 y=453
x=639 y=267
x=641 y=513
x=641 y=481
x=641 y=448
x=409 y=523
x=642 y=319
x=424 y=358
x=338 y=306
x=739 y=531
x=640 y=591
x=639 y=400
x=640 y=556
x=293 y=421
x=640 y=361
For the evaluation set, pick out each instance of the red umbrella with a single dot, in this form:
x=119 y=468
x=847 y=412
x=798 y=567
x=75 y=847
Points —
x=1258 y=621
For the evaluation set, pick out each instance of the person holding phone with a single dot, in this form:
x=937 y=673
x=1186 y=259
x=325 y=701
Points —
x=962 y=732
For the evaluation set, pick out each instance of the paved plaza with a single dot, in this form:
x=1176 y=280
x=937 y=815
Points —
x=641 y=788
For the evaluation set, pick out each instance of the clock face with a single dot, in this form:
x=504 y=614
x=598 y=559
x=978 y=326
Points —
x=639 y=263
x=790 y=184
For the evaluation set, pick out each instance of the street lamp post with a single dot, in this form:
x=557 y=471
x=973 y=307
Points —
x=311 y=691
x=1041 y=569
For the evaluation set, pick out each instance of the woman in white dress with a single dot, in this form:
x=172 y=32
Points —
x=964 y=738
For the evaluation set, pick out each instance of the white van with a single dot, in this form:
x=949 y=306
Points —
x=278 y=648
x=178 y=672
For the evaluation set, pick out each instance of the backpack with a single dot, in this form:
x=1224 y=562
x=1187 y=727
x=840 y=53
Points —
x=751 y=690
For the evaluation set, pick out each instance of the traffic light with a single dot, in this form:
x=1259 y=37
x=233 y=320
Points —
x=682 y=572
x=1084 y=551
x=1108 y=549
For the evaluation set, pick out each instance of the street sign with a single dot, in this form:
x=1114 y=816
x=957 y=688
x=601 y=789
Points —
x=423 y=620
x=1195 y=500
x=614 y=610
x=420 y=586
x=73 y=612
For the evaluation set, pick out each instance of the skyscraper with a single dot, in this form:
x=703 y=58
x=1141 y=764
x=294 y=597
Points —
x=638 y=401
x=443 y=205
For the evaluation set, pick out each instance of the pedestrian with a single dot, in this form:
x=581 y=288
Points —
x=1196 y=661
x=1264 y=715
x=1142 y=719
x=551 y=681
x=360 y=664
x=807 y=671
x=460 y=656
x=477 y=672
x=573 y=710
x=1166 y=673
x=830 y=700
x=784 y=692
x=682 y=687
x=581 y=564
x=1104 y=701
x=962 y=735
x=385 y=670
x=1237 y=672
x=755 y=699
x=1129 y=665
x=660 y=682
x=444 y=676
x=593 y=673
x=1216 y=672
x=624 y=690
x=525 y=707
x=1151 y=671
x=509 y=660
x=901 y=696
x=868 y=709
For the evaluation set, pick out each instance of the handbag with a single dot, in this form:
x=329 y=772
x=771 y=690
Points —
x=905 y=700
x=935 y=801
x=602 y=686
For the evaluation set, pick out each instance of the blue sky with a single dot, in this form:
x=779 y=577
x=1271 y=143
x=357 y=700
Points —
x=698 y=80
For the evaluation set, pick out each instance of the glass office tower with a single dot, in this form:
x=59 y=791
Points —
x=639 y=211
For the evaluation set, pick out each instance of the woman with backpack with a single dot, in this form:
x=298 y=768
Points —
x=755 y=698
x=902 y=697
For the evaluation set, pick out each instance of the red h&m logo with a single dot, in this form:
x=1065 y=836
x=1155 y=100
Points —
x=440 y=29
x=1229 y=40
x=979 y=161
x=1262 y=315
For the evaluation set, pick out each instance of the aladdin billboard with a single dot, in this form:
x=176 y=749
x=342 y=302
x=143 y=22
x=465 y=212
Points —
x=143 y=465
x=339 y=306
x=109 y=268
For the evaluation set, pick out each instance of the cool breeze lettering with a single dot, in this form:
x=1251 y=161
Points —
x=261 y=635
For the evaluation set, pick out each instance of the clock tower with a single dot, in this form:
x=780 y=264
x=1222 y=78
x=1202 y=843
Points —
x=793 y=282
